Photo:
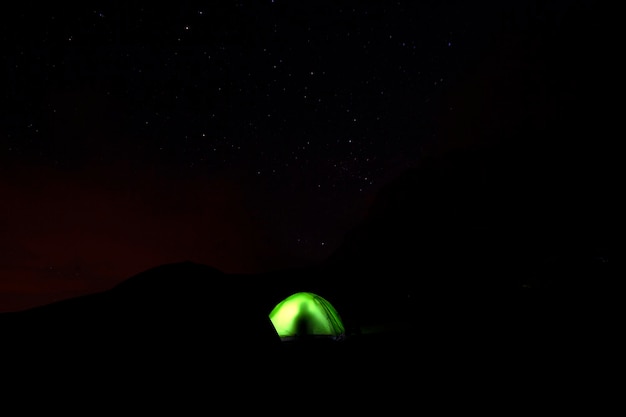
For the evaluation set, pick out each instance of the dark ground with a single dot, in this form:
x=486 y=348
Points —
x=208 y=339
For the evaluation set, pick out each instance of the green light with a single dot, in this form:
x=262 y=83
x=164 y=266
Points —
x=306 y=314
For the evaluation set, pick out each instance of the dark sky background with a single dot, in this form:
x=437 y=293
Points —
x=246 y=135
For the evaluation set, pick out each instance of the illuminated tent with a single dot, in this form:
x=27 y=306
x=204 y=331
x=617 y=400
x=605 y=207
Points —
x=306 y=315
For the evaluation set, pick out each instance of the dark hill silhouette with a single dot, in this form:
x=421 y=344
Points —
x=517 y=189
x=484 y=245
x=151 y=328
x=484 y=209
x=505 y=239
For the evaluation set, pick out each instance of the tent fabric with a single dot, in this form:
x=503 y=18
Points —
x=305 y=314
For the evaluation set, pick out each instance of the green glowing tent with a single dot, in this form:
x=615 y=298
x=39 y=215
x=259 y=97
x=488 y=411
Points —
x=305 y=314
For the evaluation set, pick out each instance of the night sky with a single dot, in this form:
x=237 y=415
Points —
x=246 y=135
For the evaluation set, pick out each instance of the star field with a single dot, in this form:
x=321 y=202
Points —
x=276 y=86
x=290 y=115
x=328 y=100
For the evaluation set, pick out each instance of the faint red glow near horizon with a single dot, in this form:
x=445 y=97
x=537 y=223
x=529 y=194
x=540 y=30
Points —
x=65 y=235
